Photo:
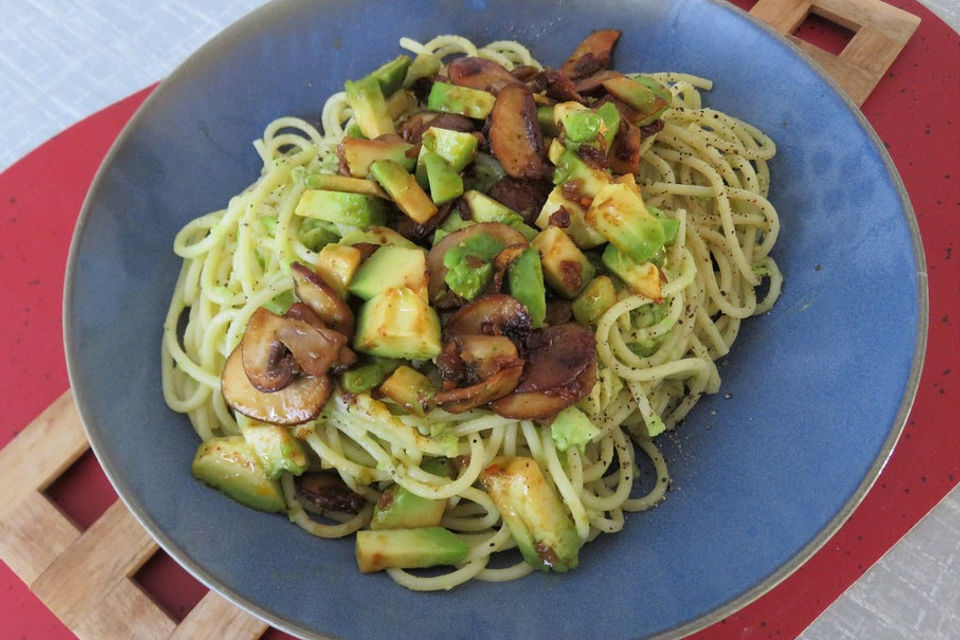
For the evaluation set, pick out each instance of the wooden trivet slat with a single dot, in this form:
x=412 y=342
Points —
x=84 y=577
x=880 y=33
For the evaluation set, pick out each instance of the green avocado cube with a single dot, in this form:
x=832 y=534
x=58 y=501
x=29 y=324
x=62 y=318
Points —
x=277 y=449
x=408 y=549
x=594 y=300
x=464 y=101
x=643 y=94
x=341 y=207
x=423 y=66
x=391 y=75
x=572 y=428
x=582 y=234
x=408 y=388
x=565 y=268
x=399 y=508
x=403 y=188
x=398 y=323
x=590 y=179
x=391 y=266
x=642 y=278
x=369 y=375
x=618 y=212
x=538 y=522
x=445 y=183
x=525 y=278
x=369 y=106
x=468 y=264
x=456 y=147
x=231 y=465
x=359 y=154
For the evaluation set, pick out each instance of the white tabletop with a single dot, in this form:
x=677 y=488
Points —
x=61 y=60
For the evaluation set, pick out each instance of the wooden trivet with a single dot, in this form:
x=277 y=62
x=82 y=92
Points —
x=880 y=33
x=84 y=577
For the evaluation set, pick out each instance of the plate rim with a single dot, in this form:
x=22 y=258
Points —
x=259 y=18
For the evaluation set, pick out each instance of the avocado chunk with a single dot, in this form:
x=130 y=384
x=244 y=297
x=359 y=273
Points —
x=399 y=508
x=619 y=214
x=643 y=94
x=230 y=465
x=458 y=148
x=403 y=188
x=571 y=168
x=369 y=375
x=344 y=183
x=579 y=123
x=610 y=123
x=277 y=449
x=391 y=75
x=398 y=323
x=484 y=172
x=445 y=183
x=572 y=428
x=537 y=520
x=565 y=268
x=408 y=549
x=594 y=300
x=341 y=207
x=409 y=388
x=423 y=66
x=391 y=267
x=464 y=101
x=582 y=234
x=642 y=278
x=376 y=235
x=336 y=264
x=369 y=106
x=468 y=264
x=359 y=154
x=525 y=277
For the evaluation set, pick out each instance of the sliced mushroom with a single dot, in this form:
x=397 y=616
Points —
x=493 y=315
x=557 y=85
x=624 y=154
x=440 y=294
x=296 y=403
x=479 y=73
x=268 y=364
x=500 y=263
x=592 y=54
x=345 y=357
x=515 y=136
x=594 y=82
x=526 y=197
x=489 y=366
x=322 y=299
x=560 y=370
x=316 y=349
x=328 y=491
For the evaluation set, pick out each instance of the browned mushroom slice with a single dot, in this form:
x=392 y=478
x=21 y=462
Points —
x=591 y=55
x=500 y=263
x=315 y=349
x=557 y=85
x=328 y=491
x=593 y=83
x=268 y=364
x=440 y=294
x=296 y=403
x=526 y=197
x=492 y=315
x=560 y=370
x=524 y=72
x=345 y=357
x=624 y=154
x=489 y=368
x=479 y=73
x=323 y=300
x=515 y=137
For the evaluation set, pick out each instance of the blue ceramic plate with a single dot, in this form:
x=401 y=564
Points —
x=814 y=394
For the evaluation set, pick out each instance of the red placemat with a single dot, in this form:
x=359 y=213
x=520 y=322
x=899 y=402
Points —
x=914 y=111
